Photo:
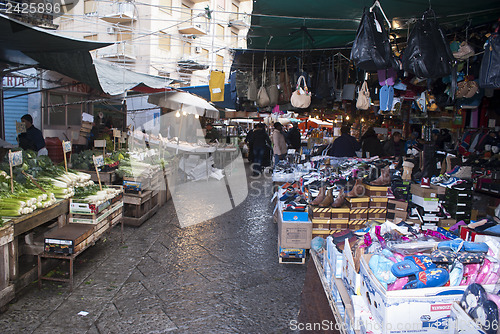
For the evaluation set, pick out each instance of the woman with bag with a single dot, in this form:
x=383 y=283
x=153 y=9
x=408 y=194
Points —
x=279 y=143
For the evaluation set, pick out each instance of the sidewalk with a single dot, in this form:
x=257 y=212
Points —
x=220 y=276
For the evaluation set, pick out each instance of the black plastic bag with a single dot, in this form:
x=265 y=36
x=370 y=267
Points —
x=371 y=50
x=427 y=54
x=489 y=74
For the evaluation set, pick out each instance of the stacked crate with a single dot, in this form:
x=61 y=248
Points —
x=378 y=201
x=320 y=221
x=358 y=211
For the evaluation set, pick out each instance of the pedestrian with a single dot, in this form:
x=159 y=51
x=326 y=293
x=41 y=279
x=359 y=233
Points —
x=32 y=139
x=345 y=145
x=260 y=141
x=249 y=140
x=279 y=143
x=370 y=144
x=395 y=146
x=293 y=137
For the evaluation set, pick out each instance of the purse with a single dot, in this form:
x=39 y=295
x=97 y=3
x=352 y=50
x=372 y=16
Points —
x=301 y=98
x=252 y=87
x=363 y=102
x=262 y=97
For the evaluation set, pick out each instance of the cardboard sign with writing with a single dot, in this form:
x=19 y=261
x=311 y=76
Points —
x=100 y=143
x=98 y=161
x=117 y=133
x=16 y=158
x=20 y=127
x=66 y=146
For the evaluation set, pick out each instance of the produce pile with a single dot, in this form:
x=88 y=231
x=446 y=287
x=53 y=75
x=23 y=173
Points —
x=84 y=161
x=93 y=195
x=38 y=183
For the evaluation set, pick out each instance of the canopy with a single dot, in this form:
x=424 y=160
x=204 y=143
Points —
x=204 y=92
x=319 y=24
x=184 y=102
x=23 y=44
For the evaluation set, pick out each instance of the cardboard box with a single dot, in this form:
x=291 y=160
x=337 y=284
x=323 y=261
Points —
x=321 y=224
x=378 y=202
x=358 y=216
x=320 y=232
x=350 y=277
x=447 y=222
x=339 y=224
x=393 y=214
x=296 y=216
x=292 y=253
x=317 y=212
x=357 y=224
x=461 y=322
x=334 y=257
x=294 y=234
x=376 y=191
x=358 y=202
x=66 y=239
x=340 y=213
x=424 y=310
x=396 y=205
x=429 y=204
x=431 y=192
x=378 y=215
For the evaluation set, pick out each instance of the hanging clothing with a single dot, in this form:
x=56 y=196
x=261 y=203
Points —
x=216 y=86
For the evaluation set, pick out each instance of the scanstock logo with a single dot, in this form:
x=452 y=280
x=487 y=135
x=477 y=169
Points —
x=440 y=307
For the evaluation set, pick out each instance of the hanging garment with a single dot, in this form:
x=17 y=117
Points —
x=216 y=86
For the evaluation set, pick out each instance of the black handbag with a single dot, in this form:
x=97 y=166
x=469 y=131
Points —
x=489 y=74
x=371 y=50
x=427 y=54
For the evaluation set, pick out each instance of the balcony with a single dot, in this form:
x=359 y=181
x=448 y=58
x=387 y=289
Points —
x=120 y=52
x=239 y=21
x=192 y=29
x=190 y=64
x=123 y=12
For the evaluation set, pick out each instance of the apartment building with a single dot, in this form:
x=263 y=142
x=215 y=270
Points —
x=180 y=39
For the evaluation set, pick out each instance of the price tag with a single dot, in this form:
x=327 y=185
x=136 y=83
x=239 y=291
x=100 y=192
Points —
x=99 y=160
x=117 y=133
x=291 y=151
x=100 y=143
x=16 y=158
x=20 y=127
x=66 y=146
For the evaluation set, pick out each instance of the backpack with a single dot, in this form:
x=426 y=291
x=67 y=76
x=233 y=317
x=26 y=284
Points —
x=489 y=74
x=371 y=50
x=427 y=54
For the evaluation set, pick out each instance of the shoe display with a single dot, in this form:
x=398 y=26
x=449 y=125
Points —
x=339 y=201
x=357 y=190
x=321 y=196
x=328 y=200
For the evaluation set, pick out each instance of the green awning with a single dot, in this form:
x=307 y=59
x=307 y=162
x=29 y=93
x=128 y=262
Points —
x=324 y=24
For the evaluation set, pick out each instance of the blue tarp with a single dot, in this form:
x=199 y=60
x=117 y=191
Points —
x=204 y=92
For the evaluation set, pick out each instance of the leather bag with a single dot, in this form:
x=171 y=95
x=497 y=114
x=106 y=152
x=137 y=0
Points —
x=489 y=74
x=363 y=102
x=301 y=98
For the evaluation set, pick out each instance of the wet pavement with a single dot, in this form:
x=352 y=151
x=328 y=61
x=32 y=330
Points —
x=220 y=276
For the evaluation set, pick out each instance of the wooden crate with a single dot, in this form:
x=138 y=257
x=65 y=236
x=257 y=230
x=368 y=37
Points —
x=107 y=178
x=7 y=292
x=137 y=214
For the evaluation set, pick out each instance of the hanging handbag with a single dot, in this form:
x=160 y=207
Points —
x=252 y=86
x=301 y=98
x=427 y=54
x=371 y=50
x=489 y=74
x=286 y=89
x=363 y=102
x=262 y=97
x=272 y=90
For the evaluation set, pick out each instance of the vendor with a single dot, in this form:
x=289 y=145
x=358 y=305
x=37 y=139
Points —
x=395 y=146
x=211 y=135
x=345 y=145
x=32 y=139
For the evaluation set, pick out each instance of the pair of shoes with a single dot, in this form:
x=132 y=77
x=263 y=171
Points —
x=321 y=196
x=383 y=179
x=426 y=183
x=422 y=272
x=357 y=190
x=327 y=200
x=339 y=201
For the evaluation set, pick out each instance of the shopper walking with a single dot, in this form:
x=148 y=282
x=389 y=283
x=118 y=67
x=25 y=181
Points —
x=279 y=143
x=260 y=142
x=370 y=144
x=345 y=145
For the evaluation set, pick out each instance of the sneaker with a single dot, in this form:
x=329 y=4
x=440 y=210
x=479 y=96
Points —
x=464 y=172
x=464 y=52
x=426 y=183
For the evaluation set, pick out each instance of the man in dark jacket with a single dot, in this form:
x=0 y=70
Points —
x=32 y=139
x=371 y=145
x=395 y=146
x=293 y=137
x=260 y=141
x=345 y=145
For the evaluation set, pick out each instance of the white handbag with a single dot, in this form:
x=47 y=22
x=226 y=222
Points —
x=301 y=97
x=363 y=102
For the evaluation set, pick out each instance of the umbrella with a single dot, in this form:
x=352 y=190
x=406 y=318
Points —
x=184 y=102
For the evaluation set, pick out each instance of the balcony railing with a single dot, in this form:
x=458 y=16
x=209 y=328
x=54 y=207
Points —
x=123 y=52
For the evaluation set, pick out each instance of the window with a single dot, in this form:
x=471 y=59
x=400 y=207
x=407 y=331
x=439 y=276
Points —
x=204 y=54
x=91 y=37
x=90 y=6
x=219 y=31
x=166 y=6
x=63 y=110
x=221 y=4
x=186 y=14
x=234 y=12
x=164 y=41
x=220 y=63
x=186 y=49
x=234 y=39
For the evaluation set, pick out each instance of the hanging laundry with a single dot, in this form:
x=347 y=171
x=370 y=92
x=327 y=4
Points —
x=216 y=86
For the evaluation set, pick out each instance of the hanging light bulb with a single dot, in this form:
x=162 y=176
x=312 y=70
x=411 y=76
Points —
x=184 y=113
x=362 y=119
x=196 y=116
x=177 y=114
x=347 y=118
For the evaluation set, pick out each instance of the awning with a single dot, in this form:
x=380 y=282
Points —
x=204 y=92
x=26 y=45
x=184 y=102
x=319 y=24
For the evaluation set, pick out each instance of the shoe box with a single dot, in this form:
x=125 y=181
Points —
x=425 y=310
x=376 y=191
x=460 y=320
x=358 y=211
x=378 y=208
x=396 y=209
x=341 y=213
x=429 y=204
x=358 y=202
x=395 y=214
x=320 y=213
x=431 y=192
x=447 y=222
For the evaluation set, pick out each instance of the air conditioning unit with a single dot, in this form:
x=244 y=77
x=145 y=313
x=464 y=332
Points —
x=110 y=30
x=197 y=49
x=198 y=25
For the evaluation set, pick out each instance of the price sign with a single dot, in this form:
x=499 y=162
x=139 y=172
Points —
x=20 y=127
x=100 y=143
x=99 y=161
x=16 y=158
x=117 y=133
x=66 y=146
